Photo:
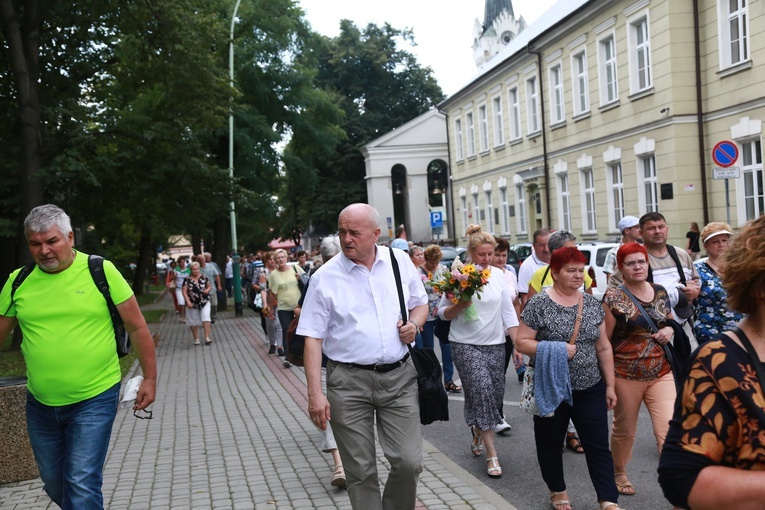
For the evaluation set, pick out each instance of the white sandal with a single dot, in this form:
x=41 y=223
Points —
x=561 y=502
x=495 y=470
x=609 y=505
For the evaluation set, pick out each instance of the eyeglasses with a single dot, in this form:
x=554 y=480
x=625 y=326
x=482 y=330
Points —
x=145 y=411
x=633 y=263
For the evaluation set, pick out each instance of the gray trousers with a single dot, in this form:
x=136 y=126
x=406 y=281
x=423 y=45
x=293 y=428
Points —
x=356 y=397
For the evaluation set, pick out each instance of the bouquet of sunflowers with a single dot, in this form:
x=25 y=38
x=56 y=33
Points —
x=462 y=283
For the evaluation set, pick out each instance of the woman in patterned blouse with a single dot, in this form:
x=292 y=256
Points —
x=643 y=372
x=550 y=316
x=712 y=314
x=714 y=455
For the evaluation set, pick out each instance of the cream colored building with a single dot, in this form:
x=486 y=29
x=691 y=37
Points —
x=602 y=108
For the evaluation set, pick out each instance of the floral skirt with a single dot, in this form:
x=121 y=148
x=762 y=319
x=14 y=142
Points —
x=482 y=372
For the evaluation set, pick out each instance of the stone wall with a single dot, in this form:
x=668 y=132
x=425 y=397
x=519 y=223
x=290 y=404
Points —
x=18 y=462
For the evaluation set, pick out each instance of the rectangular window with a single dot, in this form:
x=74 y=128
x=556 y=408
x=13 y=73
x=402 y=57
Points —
x=617 y=191
x=580 y=80
x=483 y=127
x=532 y=106
x=458 y=139
x=476 y=210
x=641 y=55
x=470 y=134
x=464 y=204
x=499 y=127
x=520 y=205
x=556 y=82
x=734 y=32
x=647 y=172
x=609 y=88
x=588 y=197
x=489 y=214
x=751 y=172
x=565 y=202
x=505 y=211
x=515 y=113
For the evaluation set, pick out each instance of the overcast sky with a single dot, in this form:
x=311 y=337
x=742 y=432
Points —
x=443 y=31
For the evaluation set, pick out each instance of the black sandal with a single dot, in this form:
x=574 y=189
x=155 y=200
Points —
x=576 y=446
x=452 y=388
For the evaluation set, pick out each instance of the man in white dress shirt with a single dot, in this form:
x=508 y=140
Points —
x=352 y=313
x=540 y=257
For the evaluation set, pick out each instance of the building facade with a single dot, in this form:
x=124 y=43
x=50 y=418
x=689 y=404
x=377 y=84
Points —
x=604 y=108
x=407 y=178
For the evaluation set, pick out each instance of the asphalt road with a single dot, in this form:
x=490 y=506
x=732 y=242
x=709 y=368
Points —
x=521 y=483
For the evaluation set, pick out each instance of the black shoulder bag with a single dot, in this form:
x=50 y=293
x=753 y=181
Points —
x=669 y=350
x=434 y=403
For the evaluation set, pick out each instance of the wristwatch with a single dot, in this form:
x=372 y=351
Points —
x=417 y=328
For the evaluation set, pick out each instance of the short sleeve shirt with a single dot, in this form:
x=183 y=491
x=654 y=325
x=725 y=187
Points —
x=69 y=345
x=554 y=322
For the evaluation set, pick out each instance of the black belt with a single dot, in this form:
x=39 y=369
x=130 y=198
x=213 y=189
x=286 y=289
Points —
x=381 y=367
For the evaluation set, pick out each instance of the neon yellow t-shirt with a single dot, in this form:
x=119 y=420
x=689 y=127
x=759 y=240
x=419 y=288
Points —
x=69 y=345
x=537 y=284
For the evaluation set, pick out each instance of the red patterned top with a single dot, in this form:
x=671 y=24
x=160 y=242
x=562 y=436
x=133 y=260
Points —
x=637 y=356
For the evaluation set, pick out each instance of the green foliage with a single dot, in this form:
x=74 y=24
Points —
x=378 y=86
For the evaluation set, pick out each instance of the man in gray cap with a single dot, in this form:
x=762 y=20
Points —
x=629 y=226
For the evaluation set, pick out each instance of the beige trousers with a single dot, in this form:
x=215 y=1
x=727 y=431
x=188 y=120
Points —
x=357 y=399
x=659 y=397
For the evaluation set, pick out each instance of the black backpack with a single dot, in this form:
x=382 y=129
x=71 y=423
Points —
x=96 y=267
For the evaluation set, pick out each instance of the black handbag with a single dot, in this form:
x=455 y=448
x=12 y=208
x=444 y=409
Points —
x=434 y=403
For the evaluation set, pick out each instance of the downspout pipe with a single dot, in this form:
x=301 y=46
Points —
x=700 y=112
x=449 y=192
x=545 y=163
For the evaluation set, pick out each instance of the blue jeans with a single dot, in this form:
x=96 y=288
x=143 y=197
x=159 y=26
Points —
x=425 y=341
x=70 y=443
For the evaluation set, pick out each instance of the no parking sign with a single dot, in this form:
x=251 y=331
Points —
x=725 y=154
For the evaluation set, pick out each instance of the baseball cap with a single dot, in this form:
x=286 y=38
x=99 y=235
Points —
x=628 y=222
x=400 y=244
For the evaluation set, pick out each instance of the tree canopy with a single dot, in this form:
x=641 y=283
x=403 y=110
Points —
x=379 y=86
x=117 y=111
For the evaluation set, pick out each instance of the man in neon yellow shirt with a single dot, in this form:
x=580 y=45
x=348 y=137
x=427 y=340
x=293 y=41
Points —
x=70 y=351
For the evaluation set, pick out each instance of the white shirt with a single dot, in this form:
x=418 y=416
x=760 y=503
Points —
x=354 y=311
x=528 y=268
x=495 y=310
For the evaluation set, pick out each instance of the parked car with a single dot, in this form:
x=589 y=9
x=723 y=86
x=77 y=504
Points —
x=512 y=259
x=595 y=252
x=448 y=254
x=521 y=250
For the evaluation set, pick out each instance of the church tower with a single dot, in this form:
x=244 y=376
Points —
x=499 y=28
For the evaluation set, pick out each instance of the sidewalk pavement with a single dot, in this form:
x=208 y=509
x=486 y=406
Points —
x=231 y=431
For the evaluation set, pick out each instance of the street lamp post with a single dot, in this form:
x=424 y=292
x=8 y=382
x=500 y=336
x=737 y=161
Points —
x=238 y=310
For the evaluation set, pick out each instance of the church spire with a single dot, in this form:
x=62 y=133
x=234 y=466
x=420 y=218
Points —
x=494 y=9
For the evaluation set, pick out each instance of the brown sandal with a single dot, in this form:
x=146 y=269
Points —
x=624 y=487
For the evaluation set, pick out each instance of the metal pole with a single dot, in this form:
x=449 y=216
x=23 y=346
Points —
x=727 y=202
x=238 y=309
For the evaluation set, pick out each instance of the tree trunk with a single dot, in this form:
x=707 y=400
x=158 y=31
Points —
x=144 y=258
x=22 y=38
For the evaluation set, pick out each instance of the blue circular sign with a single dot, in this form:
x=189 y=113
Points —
x=725 y=154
